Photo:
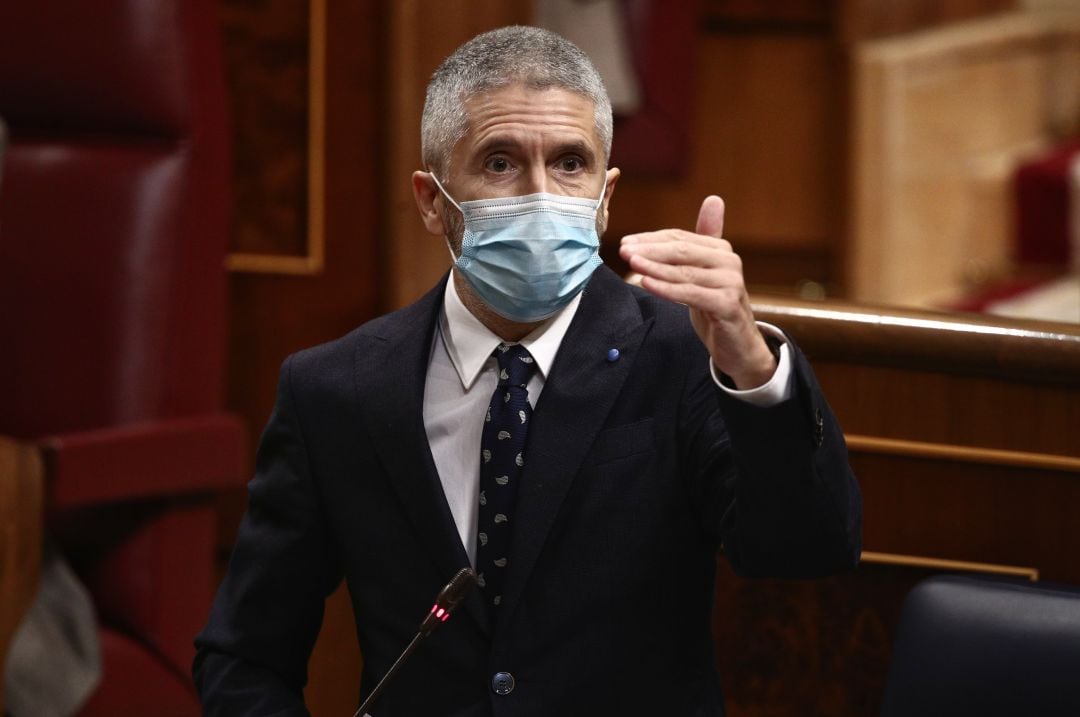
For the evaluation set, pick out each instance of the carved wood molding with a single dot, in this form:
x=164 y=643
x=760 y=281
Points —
x=311 y=262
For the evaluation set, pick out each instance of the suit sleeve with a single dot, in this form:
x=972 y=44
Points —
x=252 y=656
x=774 y=482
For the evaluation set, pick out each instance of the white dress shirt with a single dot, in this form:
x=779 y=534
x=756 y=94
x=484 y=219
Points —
x=462 y=374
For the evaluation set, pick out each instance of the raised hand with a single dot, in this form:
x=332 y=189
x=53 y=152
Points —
x=701 y=270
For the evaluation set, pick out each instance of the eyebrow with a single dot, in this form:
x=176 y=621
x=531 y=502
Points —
x=576 y=148
x=509 y=142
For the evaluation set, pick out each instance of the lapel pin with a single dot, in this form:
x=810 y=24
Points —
x=612 y=355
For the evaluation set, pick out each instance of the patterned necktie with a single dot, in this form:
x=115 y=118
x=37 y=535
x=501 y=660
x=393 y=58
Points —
x=502 y=449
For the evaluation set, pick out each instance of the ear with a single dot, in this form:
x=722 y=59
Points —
x=429 y=201
x=612 y=179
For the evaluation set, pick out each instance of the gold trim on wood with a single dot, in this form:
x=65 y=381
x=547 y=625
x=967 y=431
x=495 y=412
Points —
x=918 y=561
x=312 y=262
x=963 y=454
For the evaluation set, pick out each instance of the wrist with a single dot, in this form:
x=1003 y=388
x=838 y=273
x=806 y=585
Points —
x=758 y=368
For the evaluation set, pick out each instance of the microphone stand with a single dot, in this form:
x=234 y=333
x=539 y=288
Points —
x=448 y=599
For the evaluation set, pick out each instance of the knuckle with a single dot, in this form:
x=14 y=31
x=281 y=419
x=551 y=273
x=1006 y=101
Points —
x=729 y=302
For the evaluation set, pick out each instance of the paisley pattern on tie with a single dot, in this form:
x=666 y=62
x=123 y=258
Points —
x=502 y=451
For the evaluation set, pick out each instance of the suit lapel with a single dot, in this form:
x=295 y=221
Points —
x=575 y=402
x=391 y=370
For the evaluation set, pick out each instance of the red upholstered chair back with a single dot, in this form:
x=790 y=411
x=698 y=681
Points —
x=113 y=214
x=113 y=231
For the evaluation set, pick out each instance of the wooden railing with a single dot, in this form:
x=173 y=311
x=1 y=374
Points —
x=969 y=344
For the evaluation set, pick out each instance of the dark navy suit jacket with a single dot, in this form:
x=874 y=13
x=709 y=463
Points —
x=639 y=470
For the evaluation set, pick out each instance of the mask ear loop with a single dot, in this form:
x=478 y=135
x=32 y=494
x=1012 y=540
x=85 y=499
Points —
x=450 y=249
x=447 y=194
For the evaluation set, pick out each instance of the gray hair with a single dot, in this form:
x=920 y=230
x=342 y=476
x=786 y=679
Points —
x=537 y=58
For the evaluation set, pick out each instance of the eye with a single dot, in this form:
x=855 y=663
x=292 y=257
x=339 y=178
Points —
x=571 y=164
x=497 y=164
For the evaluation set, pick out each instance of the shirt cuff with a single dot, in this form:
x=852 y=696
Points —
x=778 y=388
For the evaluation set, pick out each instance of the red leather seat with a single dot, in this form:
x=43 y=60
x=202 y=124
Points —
x=113 y=231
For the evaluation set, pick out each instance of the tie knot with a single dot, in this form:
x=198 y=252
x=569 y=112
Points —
x=516 y=366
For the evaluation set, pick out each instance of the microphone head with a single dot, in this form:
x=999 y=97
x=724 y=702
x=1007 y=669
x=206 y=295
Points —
x=449 y=598
x=455 y=590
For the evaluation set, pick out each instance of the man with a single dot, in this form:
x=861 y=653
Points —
x=588 y=446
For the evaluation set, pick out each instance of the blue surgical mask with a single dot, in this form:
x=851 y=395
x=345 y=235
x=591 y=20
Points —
x=527 y=257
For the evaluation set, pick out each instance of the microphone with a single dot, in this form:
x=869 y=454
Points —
x=448 y=598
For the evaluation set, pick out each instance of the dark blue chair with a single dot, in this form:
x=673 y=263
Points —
x=979 y=646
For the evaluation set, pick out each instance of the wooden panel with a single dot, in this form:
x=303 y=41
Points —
x=776 y=15
x=852 y=20
x=334 y=669
x=949 y=409
x=812 y=647
x=763 y=140
x=867 y=19
x=269 y=50
x=275 y=315
x=962 y=431
x=940 y=121
x=971 y=512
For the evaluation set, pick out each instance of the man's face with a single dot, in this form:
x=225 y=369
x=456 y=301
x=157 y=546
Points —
x=522 y=141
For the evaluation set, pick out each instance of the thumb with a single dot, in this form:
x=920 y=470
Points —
x=710 y=219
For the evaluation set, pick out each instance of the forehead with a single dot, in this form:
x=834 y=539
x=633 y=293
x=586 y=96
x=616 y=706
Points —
x=522 y=115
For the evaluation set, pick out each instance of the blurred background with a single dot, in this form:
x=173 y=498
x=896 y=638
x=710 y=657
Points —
x=194 y=190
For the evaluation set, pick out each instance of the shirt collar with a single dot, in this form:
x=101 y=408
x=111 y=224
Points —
x=469 y=343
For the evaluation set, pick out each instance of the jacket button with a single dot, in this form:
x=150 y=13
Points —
x=502 y=683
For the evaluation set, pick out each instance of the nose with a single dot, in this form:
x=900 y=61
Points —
x=536 y=179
